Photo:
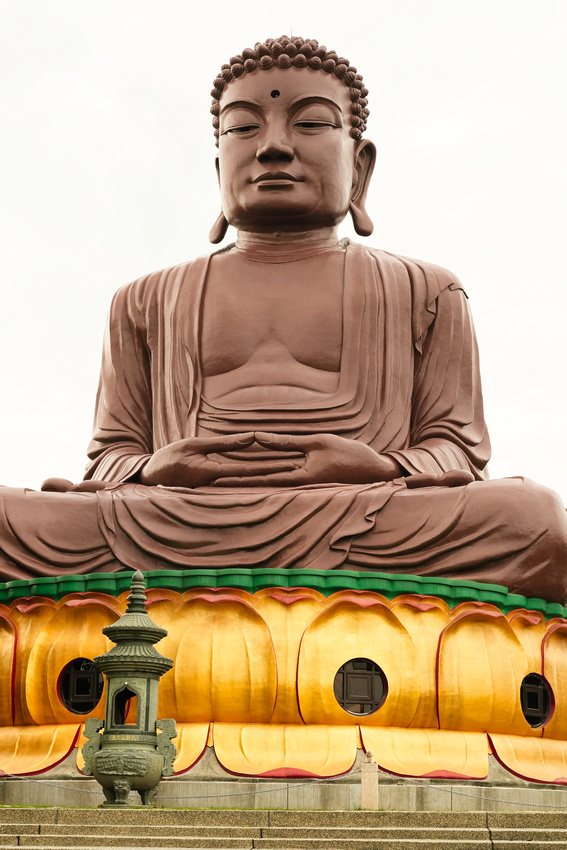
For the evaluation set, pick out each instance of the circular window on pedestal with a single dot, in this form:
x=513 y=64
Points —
x=360 y=686
x=536 y=699
x=80 y=686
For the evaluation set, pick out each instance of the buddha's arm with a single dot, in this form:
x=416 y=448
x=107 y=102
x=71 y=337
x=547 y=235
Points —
x=448 y=429
x=122 y=435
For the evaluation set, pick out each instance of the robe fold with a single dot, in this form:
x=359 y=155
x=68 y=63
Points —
x=409 y=387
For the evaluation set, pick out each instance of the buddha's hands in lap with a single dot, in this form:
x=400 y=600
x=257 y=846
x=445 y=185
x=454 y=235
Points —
x=222 y=461
x=328 y=458
x=199 y=461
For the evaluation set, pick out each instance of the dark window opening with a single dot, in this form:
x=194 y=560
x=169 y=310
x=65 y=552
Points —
x=360 y=686
x=536 y=699
x=122 y=707
x=80 y=686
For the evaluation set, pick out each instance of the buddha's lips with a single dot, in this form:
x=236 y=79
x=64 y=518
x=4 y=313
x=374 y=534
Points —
x=276 y=175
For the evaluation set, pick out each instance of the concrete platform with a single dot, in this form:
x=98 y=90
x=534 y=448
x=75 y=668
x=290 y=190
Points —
x=325 y=795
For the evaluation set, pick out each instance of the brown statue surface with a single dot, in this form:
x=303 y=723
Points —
x=293 y=400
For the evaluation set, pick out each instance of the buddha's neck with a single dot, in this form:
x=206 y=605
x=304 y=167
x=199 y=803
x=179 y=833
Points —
x=284 y=246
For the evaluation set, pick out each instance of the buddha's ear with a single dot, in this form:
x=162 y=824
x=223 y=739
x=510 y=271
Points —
x=219 y=228
x=364 y=161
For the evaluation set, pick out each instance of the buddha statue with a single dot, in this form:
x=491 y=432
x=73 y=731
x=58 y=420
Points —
x=292 y=400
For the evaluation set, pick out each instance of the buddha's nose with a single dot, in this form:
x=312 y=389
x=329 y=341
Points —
x=274 y=145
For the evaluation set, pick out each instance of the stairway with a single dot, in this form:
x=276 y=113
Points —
x=206 y=829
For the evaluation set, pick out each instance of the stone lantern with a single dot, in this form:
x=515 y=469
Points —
x=130 y=755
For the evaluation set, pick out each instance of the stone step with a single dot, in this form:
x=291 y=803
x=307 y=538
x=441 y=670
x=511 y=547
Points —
x=193 y=829
x=373 y=840
x=271 y=844
x=102 y=818
x=390 y=832
x=72 y=841
x=528 y=836
x=372 y=844
x=531 y=845
x=179 y=833
x=259 y=817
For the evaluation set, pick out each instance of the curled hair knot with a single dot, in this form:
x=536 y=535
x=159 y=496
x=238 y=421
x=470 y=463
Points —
x=296 y=52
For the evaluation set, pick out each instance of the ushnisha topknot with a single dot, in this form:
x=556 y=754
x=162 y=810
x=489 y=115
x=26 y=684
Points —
x=296 y=52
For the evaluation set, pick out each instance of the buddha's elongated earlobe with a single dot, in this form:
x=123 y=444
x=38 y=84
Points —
x=219 y=228
x=365 y=159
x=362 y=222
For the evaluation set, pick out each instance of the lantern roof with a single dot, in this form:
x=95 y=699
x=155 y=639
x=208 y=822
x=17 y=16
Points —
x=134 y=634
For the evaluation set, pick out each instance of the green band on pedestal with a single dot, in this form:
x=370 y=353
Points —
x=325 y=581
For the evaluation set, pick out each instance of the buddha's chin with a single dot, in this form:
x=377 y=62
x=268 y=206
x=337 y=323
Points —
x=273 y=212
x=271 y=221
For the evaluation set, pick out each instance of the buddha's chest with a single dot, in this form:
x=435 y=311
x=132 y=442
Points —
x=275 y=315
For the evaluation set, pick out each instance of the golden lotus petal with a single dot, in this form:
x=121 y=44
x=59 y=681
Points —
x=534 y=759
x=282 y=750
x=287 y=618
x=7 y=661
x=440 y=753
x=225 y=667
x=191 y=743
x=356 y=596
x=30 y=617
x=530 y=628
x=481 y=665
x=364 y=628
x=34 y=749
x=555 y=671
x=74 y=631
x=424 y=622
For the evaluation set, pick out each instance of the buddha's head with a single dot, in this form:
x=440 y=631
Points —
x=289 y=117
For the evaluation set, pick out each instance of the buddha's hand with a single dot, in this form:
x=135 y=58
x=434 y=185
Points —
x=63 y=485
x=198 y=461
x=327 y=459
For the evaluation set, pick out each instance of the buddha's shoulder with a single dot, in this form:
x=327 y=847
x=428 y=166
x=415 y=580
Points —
x=426 y=280
x=410 y=265
x=164 y=283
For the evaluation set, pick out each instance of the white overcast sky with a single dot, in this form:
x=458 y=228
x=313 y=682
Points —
x=107 y=173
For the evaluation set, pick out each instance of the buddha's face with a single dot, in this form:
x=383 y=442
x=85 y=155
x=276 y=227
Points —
x=286 y=156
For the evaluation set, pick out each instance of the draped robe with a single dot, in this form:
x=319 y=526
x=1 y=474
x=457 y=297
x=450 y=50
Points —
x=409 y=387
